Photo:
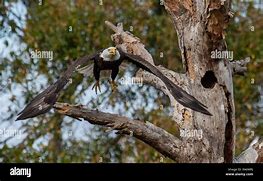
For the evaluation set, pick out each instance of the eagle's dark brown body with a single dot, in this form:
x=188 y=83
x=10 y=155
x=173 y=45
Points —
x=100 y=64
x=43 y=102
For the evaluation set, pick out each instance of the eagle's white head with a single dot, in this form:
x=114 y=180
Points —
x=110 y=54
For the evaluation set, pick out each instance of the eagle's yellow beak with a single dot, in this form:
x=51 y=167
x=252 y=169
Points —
x=112 y=51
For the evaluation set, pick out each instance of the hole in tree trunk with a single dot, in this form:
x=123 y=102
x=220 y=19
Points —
x=209 y=80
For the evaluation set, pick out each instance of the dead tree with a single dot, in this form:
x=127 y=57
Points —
x=200 y=26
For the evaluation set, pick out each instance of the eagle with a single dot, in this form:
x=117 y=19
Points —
x=107 y=59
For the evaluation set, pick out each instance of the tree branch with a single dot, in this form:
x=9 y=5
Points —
x=253 y=154
x=239 y=67
x=131 y=44
x=156 y=137
x=179 y=79
x=128 y=42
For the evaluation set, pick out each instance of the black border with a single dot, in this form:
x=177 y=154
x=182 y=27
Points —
x=129 y=171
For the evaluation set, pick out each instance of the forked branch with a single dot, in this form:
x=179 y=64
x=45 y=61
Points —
x=156 y=137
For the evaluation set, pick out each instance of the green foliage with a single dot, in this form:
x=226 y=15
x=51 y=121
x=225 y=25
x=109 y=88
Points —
x=72 y=29
x=245 y=40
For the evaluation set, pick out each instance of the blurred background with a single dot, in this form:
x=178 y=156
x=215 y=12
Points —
x=74 y=28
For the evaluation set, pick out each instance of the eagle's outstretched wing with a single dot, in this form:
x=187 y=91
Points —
x=179 y=94
x=44 y=101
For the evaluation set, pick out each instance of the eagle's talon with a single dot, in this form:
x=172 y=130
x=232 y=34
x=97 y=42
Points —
x=113 y=85
x=63 y=110
x=96 y=86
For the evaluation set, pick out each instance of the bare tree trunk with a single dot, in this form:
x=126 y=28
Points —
x=200 y=27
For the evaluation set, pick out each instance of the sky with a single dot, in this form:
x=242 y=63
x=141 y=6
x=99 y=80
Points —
x=13 y=129
x=78 y=129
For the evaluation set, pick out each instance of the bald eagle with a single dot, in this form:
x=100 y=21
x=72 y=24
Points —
x=107 y=59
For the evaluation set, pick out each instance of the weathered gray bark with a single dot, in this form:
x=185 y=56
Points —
x=239 y=67
x=158 y=138
x=253 y=154
x=200 y=27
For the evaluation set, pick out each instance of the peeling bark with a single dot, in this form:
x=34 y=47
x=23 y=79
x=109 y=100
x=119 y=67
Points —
x=253 y=154
x=200 y=27
x=154 y=136
x=239 y=67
